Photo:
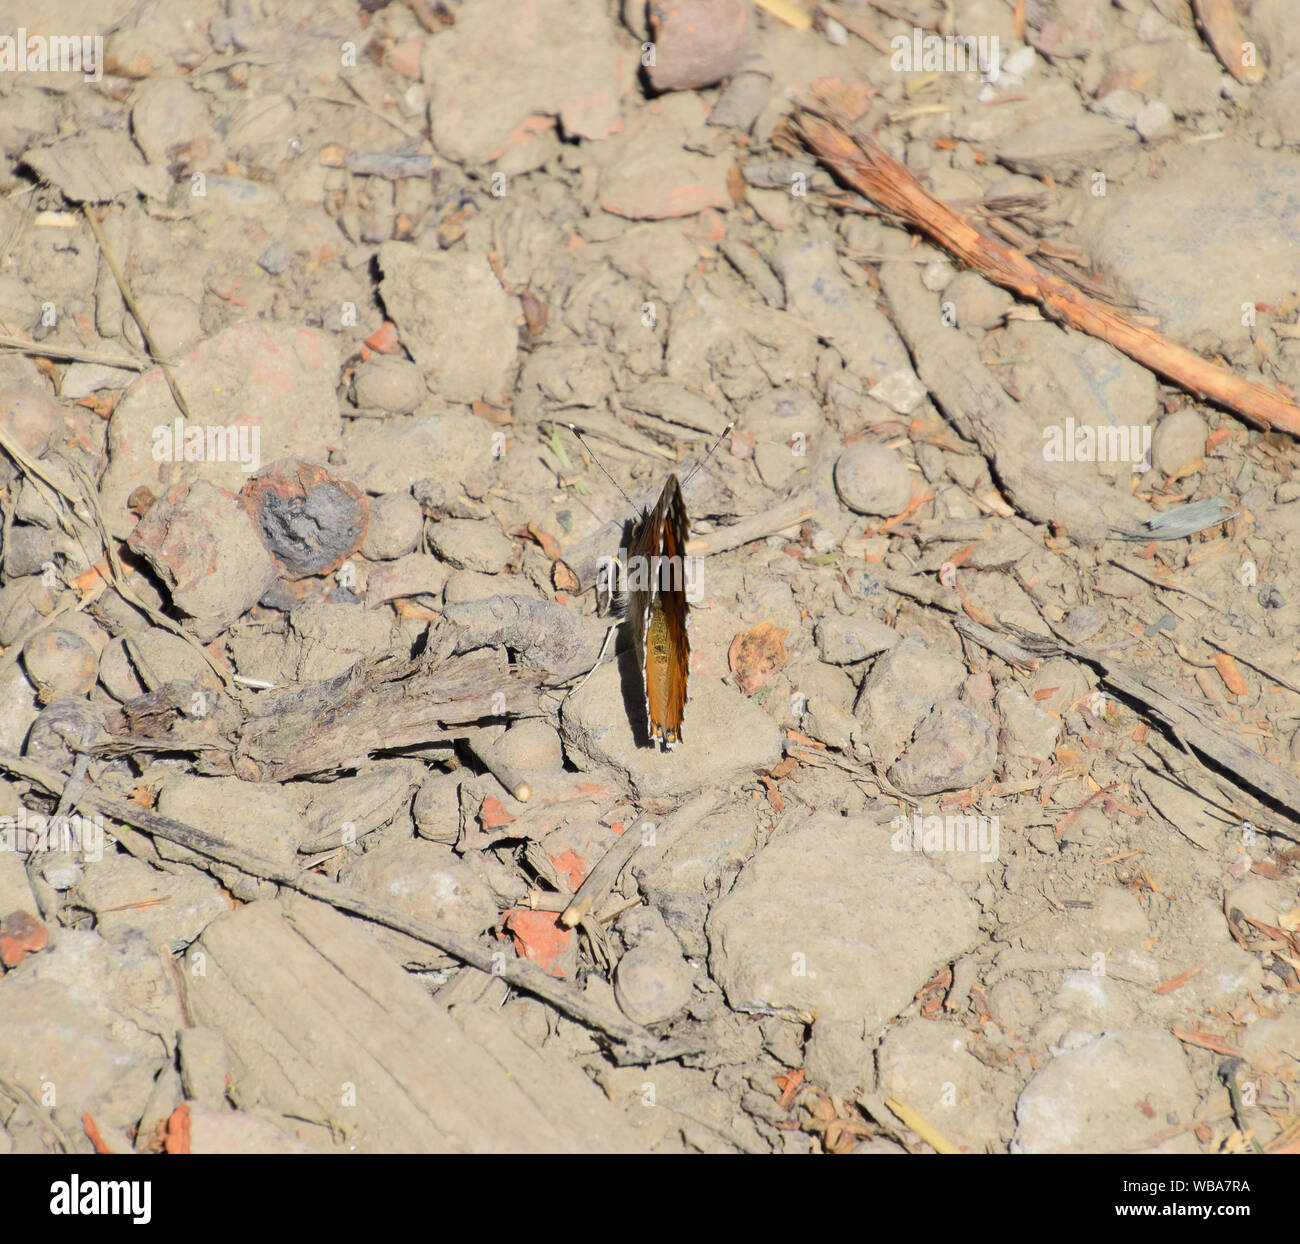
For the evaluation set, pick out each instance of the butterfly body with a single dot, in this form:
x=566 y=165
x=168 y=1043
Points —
x=658 y=615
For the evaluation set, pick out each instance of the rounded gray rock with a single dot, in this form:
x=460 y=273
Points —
x=652 y=983
x=396 y=523
x=391 y=384
x=697 y=42
x=1178 y=439
x=530 y=745
x=60 y=661
x=872 y=480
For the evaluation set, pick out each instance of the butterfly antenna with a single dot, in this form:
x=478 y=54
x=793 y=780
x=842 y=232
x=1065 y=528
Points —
x=702 y=461
x=583 y=441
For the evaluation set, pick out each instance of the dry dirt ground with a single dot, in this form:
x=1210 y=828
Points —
x=983 y=832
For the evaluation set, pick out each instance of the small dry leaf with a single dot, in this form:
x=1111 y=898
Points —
x=536 y=312
x=563 y=579
x=756 y=655
x=549 y=545
x=737 y=187
x=142 y=796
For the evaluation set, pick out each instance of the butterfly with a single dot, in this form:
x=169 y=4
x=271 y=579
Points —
x=654 y=604
x=658 y=615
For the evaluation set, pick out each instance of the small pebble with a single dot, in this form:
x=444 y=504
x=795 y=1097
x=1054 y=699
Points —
x=652 y=983
x=471 y=545
x=977 y=302
x=19 y=307
x=23 y=602
x=872 y=480
x=901 y=391
x=30 y=417
x=740 y=104
x=697 y=42
x=62 y=872
x=28 y=550
x=389 y=384
x=163 y=656
x=1155 y=120
x=827 y=721
x=59 y=663
x=436 y=810
x=1177 y=440
x=62 y=727
x=275 y=259
x=173 y=323
x=1121 y=105
x=530 y=745
x=842 y=640
x=937 y=275
x=396 y=523
x=1020 y=63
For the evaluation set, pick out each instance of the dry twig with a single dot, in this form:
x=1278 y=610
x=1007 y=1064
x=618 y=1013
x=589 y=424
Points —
x=863 y=164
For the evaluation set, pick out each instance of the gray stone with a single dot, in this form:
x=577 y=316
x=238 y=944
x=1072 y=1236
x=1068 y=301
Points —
x=899 y=692
x=118 y=889
x=1199 y=284
x=683 y=871
x=978 y=303
x=164 y=656
x=827 y=721
x=871 y=479
x=454 y=317
x=437 y=808
x=930 y=1066
x=843 y=639
x=390 y=384
x=1028 y=732
x=396 y=524
x=956 y=747
x=723 y=733
x=829 y=919
x=1063 y=146
x=470 y=545
x=256 y=818
x=343 y=811
x=425 y=880
x=1154 y=121
x=1115 y=1094
x=1178 y=439
x=652 y=982
x=819 y=294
